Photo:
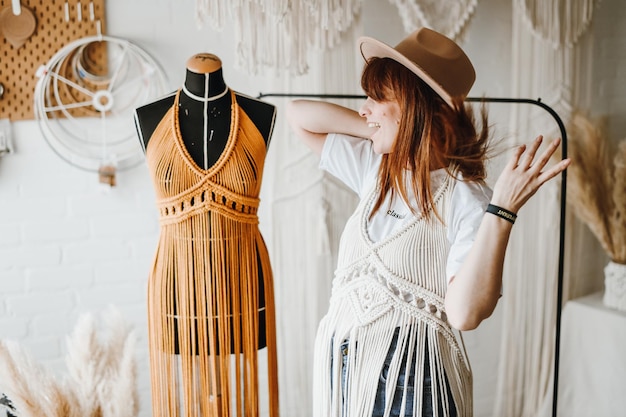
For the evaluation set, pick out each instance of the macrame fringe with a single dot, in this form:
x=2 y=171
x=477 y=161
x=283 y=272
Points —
x=278 y=35
x=449 y=17
x=558 y=22
x=211 y=11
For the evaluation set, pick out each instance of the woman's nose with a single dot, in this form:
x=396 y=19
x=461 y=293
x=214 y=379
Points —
x=364 y=109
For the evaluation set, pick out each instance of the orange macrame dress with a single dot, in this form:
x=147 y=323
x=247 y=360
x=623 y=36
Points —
x=211 y=280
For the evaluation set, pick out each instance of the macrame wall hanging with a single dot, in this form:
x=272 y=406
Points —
x=278 y=34
x=560 y=22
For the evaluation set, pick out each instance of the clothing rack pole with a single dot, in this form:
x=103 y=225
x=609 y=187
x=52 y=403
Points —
x=559 y=122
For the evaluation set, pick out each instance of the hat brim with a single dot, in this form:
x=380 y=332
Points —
x=371 y=47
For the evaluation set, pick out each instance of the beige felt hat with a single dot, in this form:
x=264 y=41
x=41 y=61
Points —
x=436 y=59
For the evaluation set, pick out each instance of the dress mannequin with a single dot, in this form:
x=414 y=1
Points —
x=210 y=291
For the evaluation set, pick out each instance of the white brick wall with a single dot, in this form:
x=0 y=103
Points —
x=69 y=247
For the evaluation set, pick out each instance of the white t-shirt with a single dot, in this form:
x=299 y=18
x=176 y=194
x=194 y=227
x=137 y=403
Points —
x=353 y=161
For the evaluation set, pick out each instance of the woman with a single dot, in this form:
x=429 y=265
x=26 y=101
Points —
x=419 y=256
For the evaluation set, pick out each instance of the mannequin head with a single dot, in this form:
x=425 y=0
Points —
x=203 y=63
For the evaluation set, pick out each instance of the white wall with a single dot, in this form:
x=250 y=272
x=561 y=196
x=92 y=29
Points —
x=68 y=246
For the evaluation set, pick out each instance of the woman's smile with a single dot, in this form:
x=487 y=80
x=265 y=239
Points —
x=383 y=116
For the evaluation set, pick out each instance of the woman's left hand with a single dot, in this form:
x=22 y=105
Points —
x=524 y=175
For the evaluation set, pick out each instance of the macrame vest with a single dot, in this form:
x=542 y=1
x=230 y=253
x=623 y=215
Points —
x=211 y=279
x=394 y=286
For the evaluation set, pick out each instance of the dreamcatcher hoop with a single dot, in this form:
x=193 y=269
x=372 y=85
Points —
x=85 y=99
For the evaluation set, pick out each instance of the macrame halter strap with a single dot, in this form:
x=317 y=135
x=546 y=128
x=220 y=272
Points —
x=230 y=144
x=369 y=203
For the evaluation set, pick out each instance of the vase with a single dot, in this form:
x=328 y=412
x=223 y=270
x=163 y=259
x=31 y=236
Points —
x=615 y=286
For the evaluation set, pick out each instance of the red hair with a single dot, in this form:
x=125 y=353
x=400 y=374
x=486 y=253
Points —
x=431 y=134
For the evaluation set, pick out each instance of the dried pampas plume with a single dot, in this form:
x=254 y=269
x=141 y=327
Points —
x=31 y=388
x=101 y=379
x=618 y=220
x=597 y=185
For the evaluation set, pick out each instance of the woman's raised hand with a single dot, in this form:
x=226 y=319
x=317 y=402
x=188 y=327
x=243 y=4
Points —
x=525 y=174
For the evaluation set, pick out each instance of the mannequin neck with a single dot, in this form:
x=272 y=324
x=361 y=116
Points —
x=205 y=116
x=205 y=87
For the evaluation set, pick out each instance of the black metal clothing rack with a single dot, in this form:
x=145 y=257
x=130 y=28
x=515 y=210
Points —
x=559 y=122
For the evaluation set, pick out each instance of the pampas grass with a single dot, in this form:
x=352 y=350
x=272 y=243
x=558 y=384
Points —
x=30 y=387
x=101 y=380
x=597 y=185
x=618 y=220
x=84 y=364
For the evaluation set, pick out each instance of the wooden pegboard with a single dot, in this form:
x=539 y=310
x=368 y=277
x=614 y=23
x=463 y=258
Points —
x=18 y=67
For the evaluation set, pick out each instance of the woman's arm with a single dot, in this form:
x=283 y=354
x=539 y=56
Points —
x=474 y=291
x=312 y=120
